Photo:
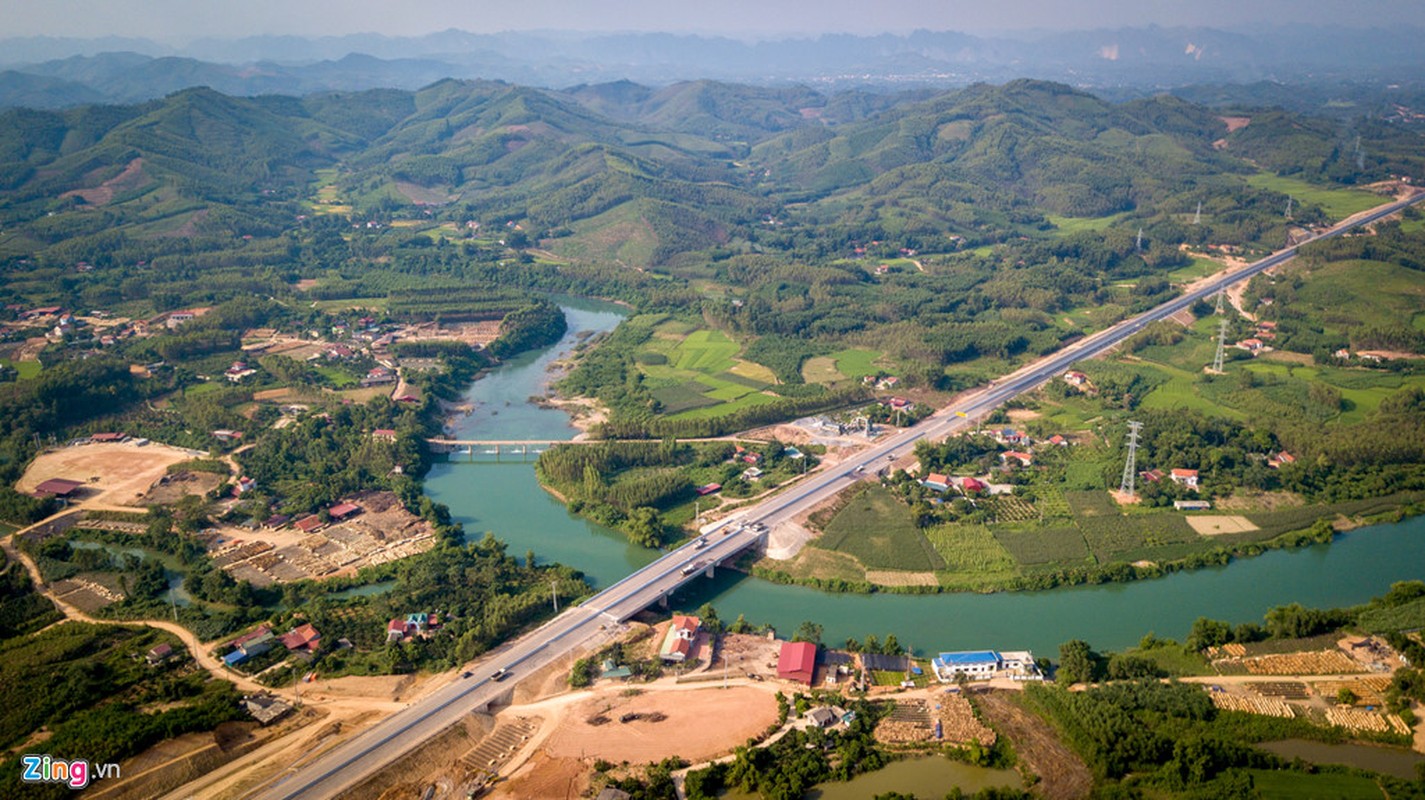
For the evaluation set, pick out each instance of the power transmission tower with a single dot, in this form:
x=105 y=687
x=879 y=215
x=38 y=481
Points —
x=1140 y=240
x=1221 y=296
x=1197 y=218
x=1130 y=467
x=1221 y=346
x=1288 y=206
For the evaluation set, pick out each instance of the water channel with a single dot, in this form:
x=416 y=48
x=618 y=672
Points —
x=504 y=498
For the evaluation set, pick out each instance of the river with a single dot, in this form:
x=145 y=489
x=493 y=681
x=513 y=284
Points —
x=505 y=499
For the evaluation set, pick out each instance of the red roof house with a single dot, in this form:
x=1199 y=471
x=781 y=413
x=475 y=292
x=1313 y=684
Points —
x=303 y=637
x=308 y=524
x=973 y=485
x=797 y=662
x=343 y=510
x=1186 y=477
x=681 y=641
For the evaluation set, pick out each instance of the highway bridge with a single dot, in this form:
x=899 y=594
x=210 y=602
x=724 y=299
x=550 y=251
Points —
x=349 y=763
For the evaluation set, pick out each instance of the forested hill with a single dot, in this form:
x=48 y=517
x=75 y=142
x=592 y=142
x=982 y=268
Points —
x=620 y=174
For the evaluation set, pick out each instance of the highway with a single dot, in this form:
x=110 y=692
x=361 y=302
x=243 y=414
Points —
x=352 y=762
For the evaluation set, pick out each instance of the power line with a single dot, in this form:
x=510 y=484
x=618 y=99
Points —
x=1130 y=467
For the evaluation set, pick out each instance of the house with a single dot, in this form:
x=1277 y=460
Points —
x=245 y=485
x=276 y=521
x=1185 y=477
x=680 y=643
x=301 y=639
x=1076 y=379
x=179 y=317
x=972 y=664
x=256 y=642
x=1252 y=346
x=708 y=488
x=384 y=434
x=396 y=630
x=309 y=524
x=1058 y=441
x=936 y=481
x=900 y=403
x=1192 y=505
x=792 y=452
x=1024 y=459
x=225 y=435
x=753 y=473
x=888 y=382
x=973 y=485
x=823 y=717
x=342 y=511
x=41 y=312
x=159 y=654
x=1152 y=475
x=57 y=487
x=752 y=458
x=797 y=662
x=379 y=376
x=1343 y=353
x=238 y=371
x=1266 y=325
x=265 y=708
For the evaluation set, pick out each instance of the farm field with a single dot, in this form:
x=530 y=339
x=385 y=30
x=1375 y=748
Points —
x=1082 y=224
x=849 y=364
x=695 y=373
x=1338 y=203
x=1290 y=785
x=877 y=529
x=23 y=369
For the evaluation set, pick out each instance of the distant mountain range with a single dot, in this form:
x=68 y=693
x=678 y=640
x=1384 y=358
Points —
x=46 y=72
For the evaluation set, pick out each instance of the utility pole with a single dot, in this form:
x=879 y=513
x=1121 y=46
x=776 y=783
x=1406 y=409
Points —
x=554 y=591
x=1126 y=487
x=1221 y=346
x=1197 y=218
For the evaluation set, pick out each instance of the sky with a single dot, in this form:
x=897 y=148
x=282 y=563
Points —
x=177 y=21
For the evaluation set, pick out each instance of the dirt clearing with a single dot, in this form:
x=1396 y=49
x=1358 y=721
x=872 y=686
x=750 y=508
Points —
x=116 y=474
x=1218 y=525
x=656 y=725
x=1063 y=775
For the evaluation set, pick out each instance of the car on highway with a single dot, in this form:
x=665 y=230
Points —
x=466 y=674
x=690 y=569
x=700 y=543
x=500 y=674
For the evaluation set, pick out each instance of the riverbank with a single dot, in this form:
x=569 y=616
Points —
x=830 y=569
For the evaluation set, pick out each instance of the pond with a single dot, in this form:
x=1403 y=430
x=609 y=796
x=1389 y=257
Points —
x=1395 y=761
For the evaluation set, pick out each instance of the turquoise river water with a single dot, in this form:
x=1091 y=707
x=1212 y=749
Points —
x=503 y=497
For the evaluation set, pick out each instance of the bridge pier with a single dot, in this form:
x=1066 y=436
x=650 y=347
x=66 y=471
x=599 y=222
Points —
x=663 y=600
x=708 y=573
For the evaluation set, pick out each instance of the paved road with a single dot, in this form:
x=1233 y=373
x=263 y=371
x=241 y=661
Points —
x=349 y=763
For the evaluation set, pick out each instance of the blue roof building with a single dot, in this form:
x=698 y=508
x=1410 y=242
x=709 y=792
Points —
x=973 y=664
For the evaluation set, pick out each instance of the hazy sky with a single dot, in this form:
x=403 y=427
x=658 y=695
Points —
x=178 y=20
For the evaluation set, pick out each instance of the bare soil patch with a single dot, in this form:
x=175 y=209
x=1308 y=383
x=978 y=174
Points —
x=172 y=488
x=544 y=776
x=1218 y=525
x=683 y=730
x=1246 y=500
x=117 y=474
x=1063 y=775
x=892 y=577
x=1236 y=123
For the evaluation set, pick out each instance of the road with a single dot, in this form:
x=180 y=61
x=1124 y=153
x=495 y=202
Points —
x=351 y=762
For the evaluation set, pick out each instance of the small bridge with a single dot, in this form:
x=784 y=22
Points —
x=525 y=447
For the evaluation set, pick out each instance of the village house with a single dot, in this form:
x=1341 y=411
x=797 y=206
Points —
x=342 y=511
x=968 y=485
x=244 y=485
x=985 y=664
x=1076 y=379
x=1280 y=459
x=254 y=643
x=265 y=708
x=1024 y=459
x=238 y=371
x=159 y=655
x=1252 y=346
x=301 y=640
x=937 y=481
x=1151 y=475
x=753 y=474
x=1185 y=477
x=680 y=643
x=1192 y=505
x=309 y=524
x=384 y=435
x=225 y=435
x=378 y=376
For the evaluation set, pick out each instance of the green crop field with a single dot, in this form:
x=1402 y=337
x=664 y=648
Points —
x=1338 y=203
x=969 y=548
x=1290 y=785
x=856 y=363
x=1062 y=544
x=1088 y=504
x=1407 y=617
x=1136 y=537
x=23 y=369
x=694 y=373
x=878 y=530
x=1199 y=268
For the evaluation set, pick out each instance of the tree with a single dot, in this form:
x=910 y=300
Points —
x=1208 y=633
x=808 y=631
x=1078 y=663
x=1346 y=697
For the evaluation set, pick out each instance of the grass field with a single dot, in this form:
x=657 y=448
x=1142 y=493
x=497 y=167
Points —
x=340 y=378
x=23 y=369
x=1289 y=785
x=1152 y=537
x=1199 y=268
x=878 y=530
x=1407 y=617
x=850 y=364
x=1083 y=224
x=1338 y=203
x=1174 y=659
